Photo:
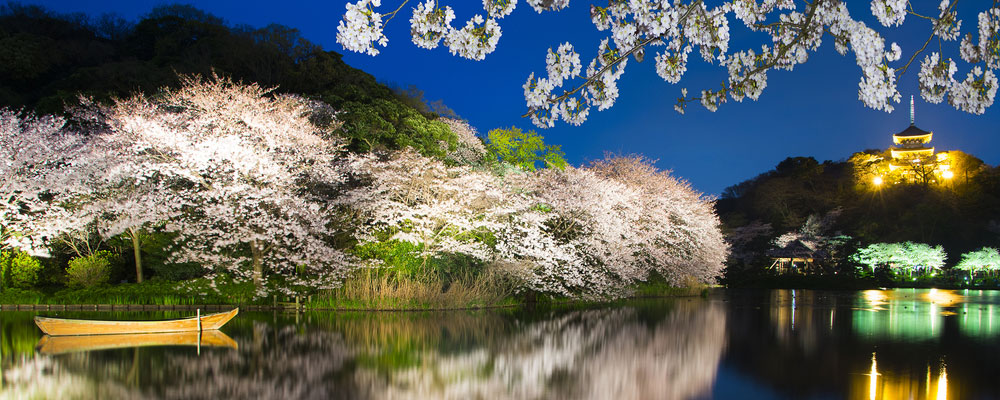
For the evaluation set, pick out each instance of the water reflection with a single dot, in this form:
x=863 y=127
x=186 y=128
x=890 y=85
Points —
x=929 y=384
x=876 y=344
x=881 y=344
x=914 y=314
x=613 y=353
x=664 y=350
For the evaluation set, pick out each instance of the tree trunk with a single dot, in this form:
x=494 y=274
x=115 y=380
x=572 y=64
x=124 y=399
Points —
x=258 y=267
x=137 y=253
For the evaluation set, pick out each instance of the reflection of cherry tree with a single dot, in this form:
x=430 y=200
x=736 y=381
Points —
x=272 y=363
x=45 y=377
x=584 y=354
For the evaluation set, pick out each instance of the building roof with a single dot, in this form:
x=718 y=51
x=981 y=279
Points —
x=797 y=249
x=912 y=130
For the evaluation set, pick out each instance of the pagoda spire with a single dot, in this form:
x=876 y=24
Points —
x=911 y=110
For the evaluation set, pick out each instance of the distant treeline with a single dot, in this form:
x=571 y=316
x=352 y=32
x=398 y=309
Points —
x=47 y=60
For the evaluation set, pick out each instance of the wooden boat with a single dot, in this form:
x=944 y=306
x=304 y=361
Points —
x=78 y=343
x=62 y=326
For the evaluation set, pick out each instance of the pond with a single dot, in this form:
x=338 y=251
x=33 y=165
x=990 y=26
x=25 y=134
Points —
x=905 y=343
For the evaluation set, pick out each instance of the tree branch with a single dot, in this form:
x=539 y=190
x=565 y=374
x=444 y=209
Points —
x=914 y=56
x=597 y=76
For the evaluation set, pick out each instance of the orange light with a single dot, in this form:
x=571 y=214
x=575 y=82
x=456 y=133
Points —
x=877 y=181
x=947 y=174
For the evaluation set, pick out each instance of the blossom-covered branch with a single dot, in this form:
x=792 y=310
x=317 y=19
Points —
x=678 y=28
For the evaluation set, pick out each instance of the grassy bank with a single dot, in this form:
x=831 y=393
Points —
x=363 y=290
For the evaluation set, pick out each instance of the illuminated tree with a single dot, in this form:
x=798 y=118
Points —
x=871 y=168
x=594 y=231
x=259 y=177
x=986 y=259
x=901 y=256
x=919 y=169
x=523 y=149
x=420 y=200
x=673 y=30
x=36 y=187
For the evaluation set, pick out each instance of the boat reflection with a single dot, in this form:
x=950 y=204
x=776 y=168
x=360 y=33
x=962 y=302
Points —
x=71 y=344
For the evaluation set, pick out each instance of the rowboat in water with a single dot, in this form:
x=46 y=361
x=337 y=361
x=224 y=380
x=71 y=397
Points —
x=80 y=343
x=62 y=326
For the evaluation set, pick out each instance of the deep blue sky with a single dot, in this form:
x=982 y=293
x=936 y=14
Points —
x=812 y=111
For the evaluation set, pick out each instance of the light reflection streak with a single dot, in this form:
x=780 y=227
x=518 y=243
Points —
x=942 y=384
x=901 y=384
x=944 y=298
x=873 y=380
x=875 y=298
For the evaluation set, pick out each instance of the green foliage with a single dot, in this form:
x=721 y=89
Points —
x=24 y=270
x=523 y=149
x=392 y=125
x=401 y=256
x=901 y=256
x=89 y=271
x=21 y=296
x=985 y=259
x=18 y=269
x=156 y=245
x=406 y=260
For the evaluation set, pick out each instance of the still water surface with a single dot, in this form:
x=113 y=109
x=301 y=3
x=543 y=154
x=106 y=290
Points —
x=797 y=344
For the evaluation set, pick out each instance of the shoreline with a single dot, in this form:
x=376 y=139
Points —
x=304 y=308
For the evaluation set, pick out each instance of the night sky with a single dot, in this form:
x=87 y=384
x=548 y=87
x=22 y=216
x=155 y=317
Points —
x=812 y=111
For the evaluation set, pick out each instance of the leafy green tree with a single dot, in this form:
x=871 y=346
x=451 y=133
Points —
x=89 y=271
x=901 y=256
x=18 y=269
x=985 y=259
x=392 y=125
x=523 y=149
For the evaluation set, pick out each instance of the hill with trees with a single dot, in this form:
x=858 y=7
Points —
x=838 y=205
x=226 y=164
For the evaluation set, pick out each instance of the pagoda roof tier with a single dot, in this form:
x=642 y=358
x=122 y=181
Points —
x=904 y=152
x=912 y=132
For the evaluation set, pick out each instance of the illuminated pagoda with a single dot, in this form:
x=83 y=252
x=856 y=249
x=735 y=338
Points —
x=913 y=158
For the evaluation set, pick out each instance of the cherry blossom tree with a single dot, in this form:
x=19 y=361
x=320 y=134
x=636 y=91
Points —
x=37 y=190
x=76 y=185
x=678 y=225
x=420 y=200
x=593 y=231
x=469 y=149
x=675 y=29
x=259 y=177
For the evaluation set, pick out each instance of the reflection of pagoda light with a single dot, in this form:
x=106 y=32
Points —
x=872 y=380
x=942 y=393
x=943 y=297
x=875 y=298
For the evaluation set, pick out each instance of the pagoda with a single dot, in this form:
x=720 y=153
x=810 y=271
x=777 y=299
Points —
x=912 y=149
